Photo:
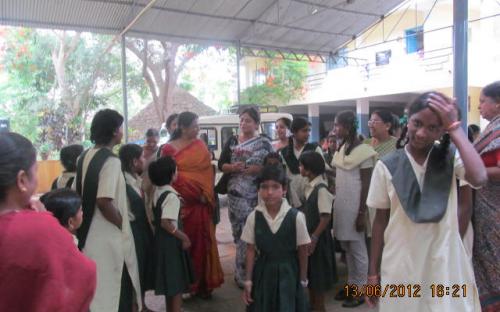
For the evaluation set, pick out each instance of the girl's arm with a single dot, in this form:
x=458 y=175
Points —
x=366 y=175
x=324 y=220
x=167 y=225
x=376 y=248
x=464 y=208
x=249 y=261
x=108 y=210
x=302 y=252
x=475 y=173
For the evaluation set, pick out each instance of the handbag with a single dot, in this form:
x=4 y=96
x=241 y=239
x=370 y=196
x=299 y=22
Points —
x=221 y=187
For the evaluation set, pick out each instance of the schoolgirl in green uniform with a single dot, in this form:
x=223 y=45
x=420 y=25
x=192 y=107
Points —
x=173 y=270
x=276 y=257
x=317 y=208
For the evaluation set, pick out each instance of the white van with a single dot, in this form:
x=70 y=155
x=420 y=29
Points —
x=216 y=130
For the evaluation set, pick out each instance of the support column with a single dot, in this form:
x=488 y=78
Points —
x=460 y=62
x=238 y=59
x=124 y=89
x=363 y=113
x=313 y=114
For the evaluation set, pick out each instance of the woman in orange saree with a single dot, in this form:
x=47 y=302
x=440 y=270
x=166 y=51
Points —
x=196 y=187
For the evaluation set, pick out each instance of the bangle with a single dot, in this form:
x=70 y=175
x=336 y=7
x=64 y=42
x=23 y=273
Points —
x=314 y=238
x=454 y=125
x=304 y=283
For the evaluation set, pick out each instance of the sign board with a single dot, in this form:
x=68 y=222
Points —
x=4 y=125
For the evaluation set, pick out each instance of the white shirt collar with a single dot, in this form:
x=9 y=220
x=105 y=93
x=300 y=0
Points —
x=164 y=188
x=285 y=206
x=318 y=180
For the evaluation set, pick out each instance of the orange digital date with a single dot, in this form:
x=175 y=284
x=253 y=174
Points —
x=384 y=291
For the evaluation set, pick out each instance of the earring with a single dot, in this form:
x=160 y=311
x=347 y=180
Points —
x=23 y=189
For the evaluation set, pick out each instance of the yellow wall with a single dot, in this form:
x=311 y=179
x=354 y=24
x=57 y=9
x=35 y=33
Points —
x=48 y=170
x=473 y=116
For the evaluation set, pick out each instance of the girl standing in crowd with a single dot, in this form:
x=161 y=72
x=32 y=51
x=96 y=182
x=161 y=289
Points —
x=173 y=271
x=52 y=274
x=416 y=239
x=132 y=158
x=317 y=208
x=68 y=155
x=195 y=184
x=381 y=126
x=278 y=233
x=105 y=235
x=242 y=157
x=297 y=144
x=66 y=206
x=353 y=162
x=282 y=132
x=486 y=223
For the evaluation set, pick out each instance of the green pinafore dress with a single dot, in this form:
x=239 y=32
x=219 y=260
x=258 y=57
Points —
x=321 y=267
x=276 y=280
x=173 y=268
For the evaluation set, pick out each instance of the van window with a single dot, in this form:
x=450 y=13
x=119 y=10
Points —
x=228 y=132
x=209 y=136
x=269 y=129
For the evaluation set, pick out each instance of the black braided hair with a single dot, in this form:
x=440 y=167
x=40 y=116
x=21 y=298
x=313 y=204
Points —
x=348 y=120
x=403 y=139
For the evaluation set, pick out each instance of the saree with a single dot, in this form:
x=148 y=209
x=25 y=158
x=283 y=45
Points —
x=486 y=250
x=195 y=185
x=51 y=274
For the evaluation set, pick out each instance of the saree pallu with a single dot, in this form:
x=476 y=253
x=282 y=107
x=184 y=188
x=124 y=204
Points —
x=194 y=182
x=41 y=269
x=486 y=222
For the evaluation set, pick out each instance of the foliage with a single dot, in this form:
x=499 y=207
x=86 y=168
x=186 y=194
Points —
x=55 y=80
x=284 y=80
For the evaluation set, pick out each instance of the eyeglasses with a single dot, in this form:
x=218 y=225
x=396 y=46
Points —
x=372 y=122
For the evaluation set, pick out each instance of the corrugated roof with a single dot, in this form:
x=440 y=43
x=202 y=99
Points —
x=316 y=26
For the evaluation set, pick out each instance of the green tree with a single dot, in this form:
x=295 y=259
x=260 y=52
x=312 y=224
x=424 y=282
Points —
x=285 y=80
x=162 y=62
x=56 y=79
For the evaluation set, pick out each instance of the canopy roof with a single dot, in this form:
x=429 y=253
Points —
x=297 y=26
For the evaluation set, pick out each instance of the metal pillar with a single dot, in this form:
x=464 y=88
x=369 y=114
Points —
x=460 y=29
x=124 y=89
x=238 y=59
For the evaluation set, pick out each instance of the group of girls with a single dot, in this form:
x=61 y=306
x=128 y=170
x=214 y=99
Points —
x=411 y=194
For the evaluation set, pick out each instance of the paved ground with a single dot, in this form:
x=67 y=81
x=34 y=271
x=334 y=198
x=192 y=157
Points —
x=228 y=297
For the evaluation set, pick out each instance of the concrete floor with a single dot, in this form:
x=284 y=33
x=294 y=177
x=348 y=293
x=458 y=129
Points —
x=228 y=297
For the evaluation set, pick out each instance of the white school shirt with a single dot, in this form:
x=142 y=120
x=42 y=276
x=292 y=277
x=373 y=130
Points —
x=325 y=198
x=171 y=205
x=297 y=182
x=248 y=234
x=136 y=184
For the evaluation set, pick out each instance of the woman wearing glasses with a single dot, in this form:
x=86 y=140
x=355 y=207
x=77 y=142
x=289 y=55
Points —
x=381 y=136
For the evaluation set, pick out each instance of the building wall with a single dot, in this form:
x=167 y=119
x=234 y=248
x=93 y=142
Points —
x=425 y=70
